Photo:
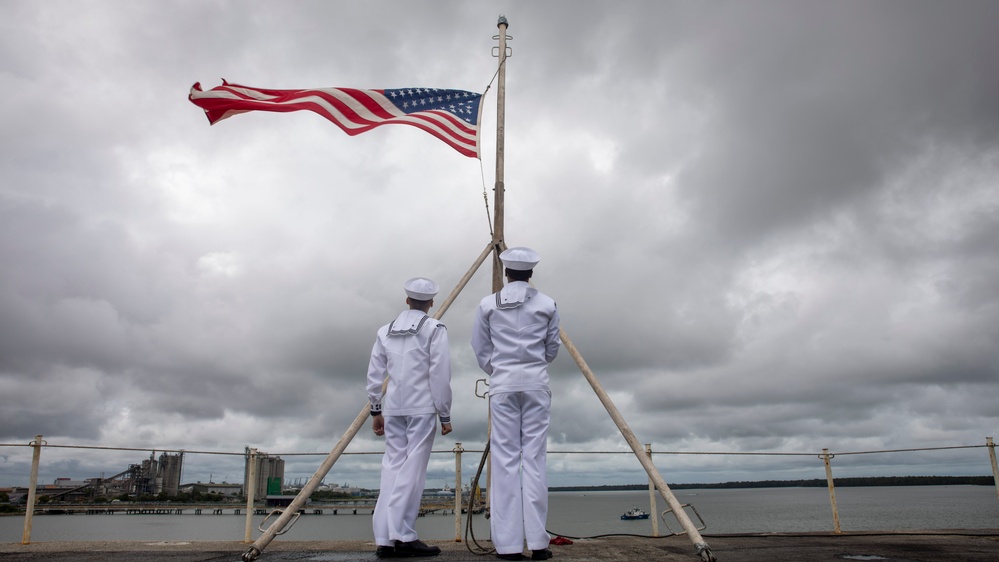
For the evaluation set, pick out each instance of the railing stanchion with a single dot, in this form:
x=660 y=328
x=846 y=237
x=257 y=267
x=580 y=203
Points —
x=251 y=490
x=832 y=489
x=653 y=509
x=995 y=467
x=457 y=492
x=29 y=510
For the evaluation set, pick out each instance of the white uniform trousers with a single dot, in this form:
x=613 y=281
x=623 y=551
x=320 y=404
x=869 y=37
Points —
x=518 y=491
x=408 y=443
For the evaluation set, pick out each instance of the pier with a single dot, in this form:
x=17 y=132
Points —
x=363 y=507
x=137 y=509
x=360 y=507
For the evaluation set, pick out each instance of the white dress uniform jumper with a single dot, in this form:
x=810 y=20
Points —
x=515 y=337
x=413 y=352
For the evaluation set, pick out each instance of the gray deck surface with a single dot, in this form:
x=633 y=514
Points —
x=924 y=546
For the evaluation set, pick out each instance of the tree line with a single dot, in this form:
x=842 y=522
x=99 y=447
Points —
x=808 y=483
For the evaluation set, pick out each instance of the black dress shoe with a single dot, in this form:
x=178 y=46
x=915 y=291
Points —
x=385 y=551
x=415 y=548
x=543 y=554
x=511 y=556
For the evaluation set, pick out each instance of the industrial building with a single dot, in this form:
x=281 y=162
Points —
x=269 y=475
x=223 y=489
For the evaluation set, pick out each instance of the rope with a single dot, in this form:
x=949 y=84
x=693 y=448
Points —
x=482 y=172
x=469 y=532
x=984 y=533
x=188 y=451
x=444 y=451
x=484 y=551
x=610 y=535
x=485 y=198
x=495 y=74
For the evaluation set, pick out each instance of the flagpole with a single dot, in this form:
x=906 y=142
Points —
x=499 y=189
x=499 y=244
x=499 y=198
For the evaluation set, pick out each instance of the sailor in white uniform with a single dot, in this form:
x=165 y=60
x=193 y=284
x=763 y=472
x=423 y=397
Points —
x=515 y=337
x=413 y=352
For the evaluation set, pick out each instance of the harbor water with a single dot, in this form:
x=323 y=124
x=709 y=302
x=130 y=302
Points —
x=579 y=514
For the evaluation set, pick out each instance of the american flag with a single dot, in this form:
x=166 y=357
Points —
x=450 y=115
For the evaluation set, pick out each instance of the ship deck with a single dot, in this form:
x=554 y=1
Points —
x=935 y=546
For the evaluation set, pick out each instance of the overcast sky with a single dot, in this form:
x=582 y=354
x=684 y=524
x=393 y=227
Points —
x=769 y=227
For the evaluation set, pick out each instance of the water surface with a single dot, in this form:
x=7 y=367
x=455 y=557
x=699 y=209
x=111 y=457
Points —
x=580 y=514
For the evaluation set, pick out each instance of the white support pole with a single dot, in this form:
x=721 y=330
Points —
x=463 y=281
x=296 y=504
x=251 y=491
x=832 y=489
x=653 y=508
x=995 y=467
x=457 y=492
x=688 y=526
x=29 y=510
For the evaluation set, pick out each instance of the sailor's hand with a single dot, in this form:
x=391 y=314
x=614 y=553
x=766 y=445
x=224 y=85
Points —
x=378 y=425
x=445 y=428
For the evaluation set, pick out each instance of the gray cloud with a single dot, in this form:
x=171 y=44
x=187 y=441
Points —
x=768 y=226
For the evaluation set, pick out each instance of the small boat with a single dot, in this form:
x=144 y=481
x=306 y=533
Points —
x=634 y=513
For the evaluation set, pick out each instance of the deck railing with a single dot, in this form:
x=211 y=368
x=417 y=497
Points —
x=38 y=444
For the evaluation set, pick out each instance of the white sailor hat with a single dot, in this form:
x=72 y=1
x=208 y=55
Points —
x=520 y=258
x=421 y=289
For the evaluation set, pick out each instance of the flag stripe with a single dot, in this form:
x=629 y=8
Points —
x=450 y=115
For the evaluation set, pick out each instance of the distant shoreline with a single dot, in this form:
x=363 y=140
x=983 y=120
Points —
x=811 y=483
